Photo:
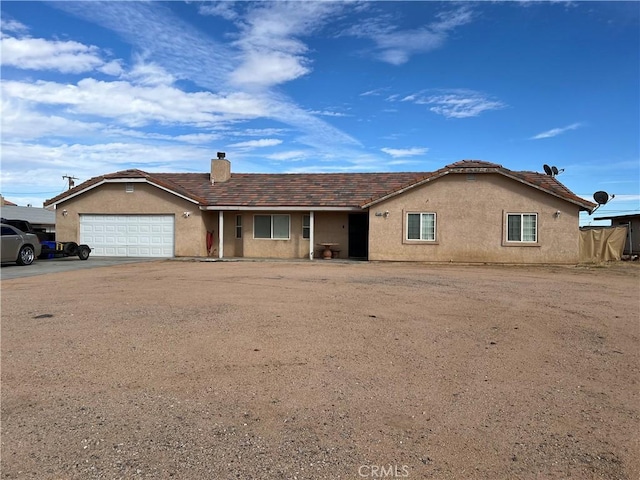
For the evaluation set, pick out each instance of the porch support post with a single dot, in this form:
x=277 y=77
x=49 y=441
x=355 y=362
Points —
x=220 y=234
x=311 y=241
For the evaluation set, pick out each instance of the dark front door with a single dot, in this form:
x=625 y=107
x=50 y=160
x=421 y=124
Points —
x=359 y=235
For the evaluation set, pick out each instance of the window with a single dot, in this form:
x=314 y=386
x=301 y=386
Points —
x=128 y=187
x=271 y=226
x=238 y=226
x=522 y=227
x=306 y=226
x=421 y=226
x=8 y=231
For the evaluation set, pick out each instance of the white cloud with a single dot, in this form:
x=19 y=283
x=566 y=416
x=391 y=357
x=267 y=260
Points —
x=397 y=46
x=113 y=68
x=452 y=19
x=86 y=161
x=272 y=52
x=405 y=152
x=454 y=106
x=556 y=131
x=269 y=68
x=20 y=122
x=63 y=56
x=264 y=142
x=288 y=155
x=454 y=103
x=328 y=113
x=260 y=132
x=11 y=25
x=150 y=74
x=137 y=105
x=197 y=138
x=164 y=37
x=219 y=9
x=31 y=169
x=375 y=92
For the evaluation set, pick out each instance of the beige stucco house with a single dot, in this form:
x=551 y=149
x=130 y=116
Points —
x=469 y=211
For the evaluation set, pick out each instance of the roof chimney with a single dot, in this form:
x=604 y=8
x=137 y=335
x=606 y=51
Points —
x=220 y=169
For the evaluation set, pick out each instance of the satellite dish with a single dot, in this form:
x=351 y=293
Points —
x=547 y=169
x=554 y=170
x=601 y=197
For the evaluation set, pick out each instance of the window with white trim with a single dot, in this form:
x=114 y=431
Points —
x=271 y=226
x=522 y=227
x=421 y=226
x=238 y=226
x=306 y=227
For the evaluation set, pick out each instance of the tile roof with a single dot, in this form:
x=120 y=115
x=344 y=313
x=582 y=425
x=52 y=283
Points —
x=339 y=190
x=297 y=190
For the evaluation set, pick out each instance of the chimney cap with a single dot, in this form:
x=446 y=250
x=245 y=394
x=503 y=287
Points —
x=221 y=155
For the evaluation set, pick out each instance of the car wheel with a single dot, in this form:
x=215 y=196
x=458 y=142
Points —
x=26 y=255
x=83 y=252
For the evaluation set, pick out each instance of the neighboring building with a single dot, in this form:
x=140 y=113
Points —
x=4 y=202
x=632 y=222
x=42 y=220
x=469 y=211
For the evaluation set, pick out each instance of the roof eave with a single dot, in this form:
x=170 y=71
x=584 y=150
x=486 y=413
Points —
x=156 y=184
x=401 y=190
x=585 y=205
x=281 y=208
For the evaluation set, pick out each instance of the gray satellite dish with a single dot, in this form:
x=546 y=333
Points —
x=601 y=197
x=547 y=169
x=554 y=170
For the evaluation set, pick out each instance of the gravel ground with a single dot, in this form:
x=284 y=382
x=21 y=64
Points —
x=322 y=370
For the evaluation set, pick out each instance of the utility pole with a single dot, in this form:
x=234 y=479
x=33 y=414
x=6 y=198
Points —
x=71 y=179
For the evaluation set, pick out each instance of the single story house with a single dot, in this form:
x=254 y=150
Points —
x=632 y=222
x=469 y=211
x=42 y=220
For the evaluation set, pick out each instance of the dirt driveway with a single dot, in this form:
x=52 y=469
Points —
x=317 y=370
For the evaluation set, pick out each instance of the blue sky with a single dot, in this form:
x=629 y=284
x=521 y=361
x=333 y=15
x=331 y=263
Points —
x=91 y=88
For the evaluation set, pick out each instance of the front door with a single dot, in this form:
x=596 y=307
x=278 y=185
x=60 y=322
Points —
x=359 y=235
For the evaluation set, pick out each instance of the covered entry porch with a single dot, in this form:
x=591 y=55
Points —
x=285 y=233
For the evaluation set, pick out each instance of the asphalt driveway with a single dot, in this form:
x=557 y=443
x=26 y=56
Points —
x=56 y=265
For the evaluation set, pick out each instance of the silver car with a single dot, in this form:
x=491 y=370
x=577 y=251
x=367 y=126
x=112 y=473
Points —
x=17 y=246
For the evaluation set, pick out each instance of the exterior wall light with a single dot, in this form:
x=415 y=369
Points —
x=65 y=213
x=186 y=214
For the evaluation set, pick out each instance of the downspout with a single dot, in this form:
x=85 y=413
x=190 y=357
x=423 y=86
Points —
x=630 y=243
x=220 y=233
x=311 y=242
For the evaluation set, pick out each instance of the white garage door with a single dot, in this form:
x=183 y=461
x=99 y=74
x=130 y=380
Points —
x=128 y=235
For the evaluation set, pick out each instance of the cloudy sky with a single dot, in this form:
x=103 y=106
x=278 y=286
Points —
x=91 y=88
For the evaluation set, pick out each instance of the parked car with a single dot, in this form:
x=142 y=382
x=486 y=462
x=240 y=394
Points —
x=18 y=246
x=26 y=227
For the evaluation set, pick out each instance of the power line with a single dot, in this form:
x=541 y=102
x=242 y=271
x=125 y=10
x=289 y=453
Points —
x=28 y=193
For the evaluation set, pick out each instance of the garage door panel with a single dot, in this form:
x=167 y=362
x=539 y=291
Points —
x=128 y=235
